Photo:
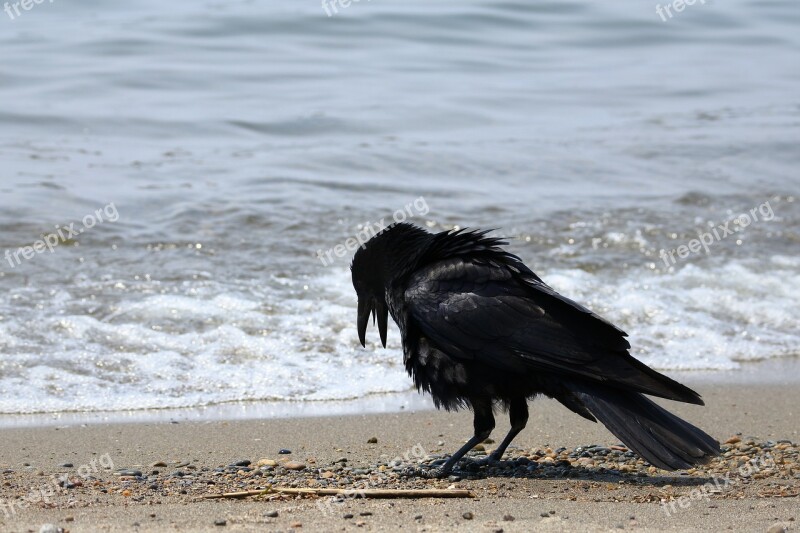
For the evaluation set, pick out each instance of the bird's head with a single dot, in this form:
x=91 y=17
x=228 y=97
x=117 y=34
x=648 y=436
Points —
x=369 y=281
x=376 y=265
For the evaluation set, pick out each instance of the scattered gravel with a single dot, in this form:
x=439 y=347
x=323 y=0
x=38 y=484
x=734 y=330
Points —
x=747 y=467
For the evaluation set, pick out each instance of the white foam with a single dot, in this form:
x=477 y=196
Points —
x=179 y=351
x=297 y=339
x=696 y=318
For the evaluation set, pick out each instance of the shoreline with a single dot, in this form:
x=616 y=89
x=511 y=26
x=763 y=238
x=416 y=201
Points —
x=765 y=372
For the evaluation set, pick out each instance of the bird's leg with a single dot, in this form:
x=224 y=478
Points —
x=518 y=415
x=483 y=423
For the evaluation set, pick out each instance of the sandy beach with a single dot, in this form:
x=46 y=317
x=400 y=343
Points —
x=200 y=203
x=152 y=476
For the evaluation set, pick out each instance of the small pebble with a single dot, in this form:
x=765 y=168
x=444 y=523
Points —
x=468 y=516
x=284 y=451
x=220 y=522
x=372 y=440
x=271 y=514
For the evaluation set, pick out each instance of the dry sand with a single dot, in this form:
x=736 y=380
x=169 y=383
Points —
x=587 y=501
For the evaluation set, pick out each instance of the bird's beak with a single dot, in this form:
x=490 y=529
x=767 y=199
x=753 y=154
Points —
x=379 y=311
x=364 y=309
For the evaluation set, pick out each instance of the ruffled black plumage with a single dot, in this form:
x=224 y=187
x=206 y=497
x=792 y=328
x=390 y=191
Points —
x=480 y=328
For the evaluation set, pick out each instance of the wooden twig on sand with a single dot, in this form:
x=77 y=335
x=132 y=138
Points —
x=352 y=493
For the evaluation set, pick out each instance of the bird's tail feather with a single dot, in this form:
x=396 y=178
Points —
x=657 y=435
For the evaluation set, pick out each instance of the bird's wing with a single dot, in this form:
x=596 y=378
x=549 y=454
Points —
x=492 y=313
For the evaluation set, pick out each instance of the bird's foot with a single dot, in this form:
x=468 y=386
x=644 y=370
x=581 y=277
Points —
x=485 y=461
x=441 y=469
x=489 y=460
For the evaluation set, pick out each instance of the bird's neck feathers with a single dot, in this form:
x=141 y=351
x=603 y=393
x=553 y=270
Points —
x=402 y=246
x=406 y=247
x=475 y=245
x=448 y=244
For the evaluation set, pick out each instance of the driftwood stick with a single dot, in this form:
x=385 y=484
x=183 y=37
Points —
x=242 y=494
x=353 y=493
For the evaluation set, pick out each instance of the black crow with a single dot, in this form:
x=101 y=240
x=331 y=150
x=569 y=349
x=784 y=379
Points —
x=480 y=329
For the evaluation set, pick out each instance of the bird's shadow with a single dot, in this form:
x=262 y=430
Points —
x=472 y=469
